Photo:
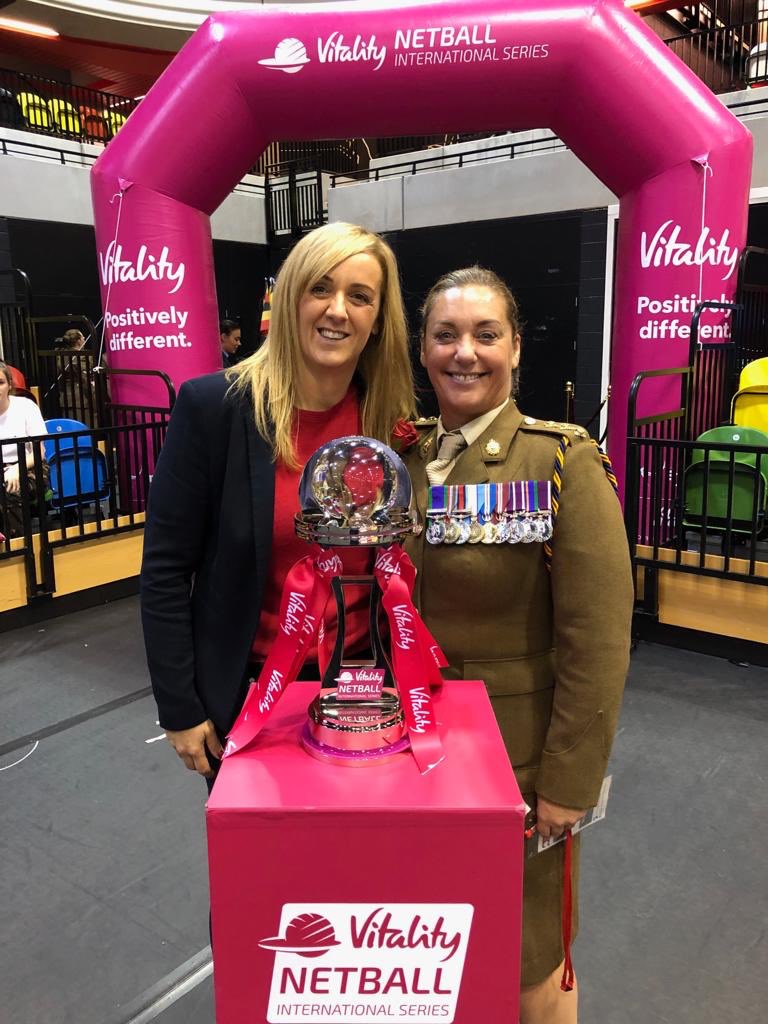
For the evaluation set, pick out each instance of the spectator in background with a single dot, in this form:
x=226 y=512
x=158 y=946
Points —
x=75 y=388
x=19 y=418
x=229 y=335
x=71 y=340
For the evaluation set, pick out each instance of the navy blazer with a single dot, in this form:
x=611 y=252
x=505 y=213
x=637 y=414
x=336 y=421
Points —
x=207 y=545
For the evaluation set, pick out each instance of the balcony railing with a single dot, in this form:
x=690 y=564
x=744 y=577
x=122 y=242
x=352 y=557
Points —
x=724 y=42
x=42 y=105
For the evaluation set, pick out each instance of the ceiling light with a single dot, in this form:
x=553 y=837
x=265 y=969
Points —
x=28 y=28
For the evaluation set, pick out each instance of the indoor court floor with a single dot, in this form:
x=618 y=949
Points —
x=103 y=881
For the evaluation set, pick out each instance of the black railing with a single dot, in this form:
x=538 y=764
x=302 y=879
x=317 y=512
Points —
x=78 y=158
x=118 y=414
x=339 y=156
x=16 y=331
x=751 y=321
x=714 y=367
x=409 y=143
x=445 y=161
x=724 y=43
x=51 y=154
x=78 y=486
x=37 y=104
x=67 y=386
x=294 y=202
x=697 y=507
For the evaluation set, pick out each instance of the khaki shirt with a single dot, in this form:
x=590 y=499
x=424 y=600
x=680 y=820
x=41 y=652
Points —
x=553 y=649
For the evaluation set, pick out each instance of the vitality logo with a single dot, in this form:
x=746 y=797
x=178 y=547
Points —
x=290 y=57
x=393 y=960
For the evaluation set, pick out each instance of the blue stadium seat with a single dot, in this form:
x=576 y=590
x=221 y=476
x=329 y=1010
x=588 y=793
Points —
x=78 y=468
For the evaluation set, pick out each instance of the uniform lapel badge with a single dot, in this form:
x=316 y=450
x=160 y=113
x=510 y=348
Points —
x=492 y=447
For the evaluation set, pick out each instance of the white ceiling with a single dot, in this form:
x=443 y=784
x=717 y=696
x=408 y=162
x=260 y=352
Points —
x=162 y=24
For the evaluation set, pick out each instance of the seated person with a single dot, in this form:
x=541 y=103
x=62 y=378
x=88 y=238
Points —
x=229 y=336
x=19 y=418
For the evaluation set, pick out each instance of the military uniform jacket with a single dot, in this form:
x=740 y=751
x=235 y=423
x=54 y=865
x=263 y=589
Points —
x=552 y=647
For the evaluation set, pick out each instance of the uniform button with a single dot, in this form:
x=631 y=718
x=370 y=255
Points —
x=529 y=420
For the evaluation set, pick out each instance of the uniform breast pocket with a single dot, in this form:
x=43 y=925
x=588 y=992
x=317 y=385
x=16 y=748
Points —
x=521 y=695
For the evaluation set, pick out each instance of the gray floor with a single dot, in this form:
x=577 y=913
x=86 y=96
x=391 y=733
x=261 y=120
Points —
x=103 y=881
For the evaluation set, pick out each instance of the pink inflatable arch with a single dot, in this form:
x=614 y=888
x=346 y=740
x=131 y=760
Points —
x=593 y=73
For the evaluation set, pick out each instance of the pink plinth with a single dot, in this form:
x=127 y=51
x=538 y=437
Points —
x=342 y=895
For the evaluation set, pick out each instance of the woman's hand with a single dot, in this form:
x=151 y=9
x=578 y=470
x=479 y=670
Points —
x=12 y=484
x=552 y=819
x=194 y=745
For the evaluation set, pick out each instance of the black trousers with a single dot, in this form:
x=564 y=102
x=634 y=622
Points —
x=11 y=511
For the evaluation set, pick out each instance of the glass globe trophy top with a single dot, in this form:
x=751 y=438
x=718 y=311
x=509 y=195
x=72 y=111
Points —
x=355 y=491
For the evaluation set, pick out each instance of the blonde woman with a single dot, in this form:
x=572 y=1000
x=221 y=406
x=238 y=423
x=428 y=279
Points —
x=219 y=536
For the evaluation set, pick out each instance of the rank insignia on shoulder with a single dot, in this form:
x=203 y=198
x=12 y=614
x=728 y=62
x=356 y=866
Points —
x=425 y=421
x=568 y=428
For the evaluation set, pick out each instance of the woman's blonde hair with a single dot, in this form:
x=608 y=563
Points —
x=268 y=377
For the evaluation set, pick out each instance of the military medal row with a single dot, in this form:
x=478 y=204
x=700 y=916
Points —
x=511 y=512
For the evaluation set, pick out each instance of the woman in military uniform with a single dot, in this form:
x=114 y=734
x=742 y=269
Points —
x=524 y=580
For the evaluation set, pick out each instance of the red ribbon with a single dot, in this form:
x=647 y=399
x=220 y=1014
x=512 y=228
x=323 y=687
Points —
x=567 y=980
x=416 y=656
x=305 y=595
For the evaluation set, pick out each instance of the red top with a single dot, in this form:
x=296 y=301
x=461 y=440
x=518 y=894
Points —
x=311 y=430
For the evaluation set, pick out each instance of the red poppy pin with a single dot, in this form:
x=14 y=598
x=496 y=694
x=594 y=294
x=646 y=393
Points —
x=404 y=436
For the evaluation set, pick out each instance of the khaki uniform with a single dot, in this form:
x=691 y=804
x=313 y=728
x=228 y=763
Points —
x=553 y=648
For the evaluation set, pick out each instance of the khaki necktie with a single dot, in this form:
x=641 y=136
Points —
x=451 y=444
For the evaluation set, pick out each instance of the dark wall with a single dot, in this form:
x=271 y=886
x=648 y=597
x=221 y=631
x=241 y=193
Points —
x=7 y=290
x=757 y=225
x=60 y=260
x=540 y=259
x=240 y=272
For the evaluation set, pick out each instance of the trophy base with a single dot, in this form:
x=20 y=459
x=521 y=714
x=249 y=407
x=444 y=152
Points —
x=357 y=735
x=351 y=758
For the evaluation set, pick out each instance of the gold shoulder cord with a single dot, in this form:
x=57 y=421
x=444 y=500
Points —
x=557 y=482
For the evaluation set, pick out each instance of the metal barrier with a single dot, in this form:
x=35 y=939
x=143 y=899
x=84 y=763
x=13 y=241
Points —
x=294 y=202
x=446 y=161
x=16 y=331
x=66 y=386
x=692 y=506
x=676 y=522
x=49 y=154
x=43 y=105
x=724 y=42
x=752 y=295
x=78 y=158
x=714 y=369
x=77 y=488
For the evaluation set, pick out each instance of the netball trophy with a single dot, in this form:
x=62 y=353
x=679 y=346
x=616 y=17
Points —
x=356 y=492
